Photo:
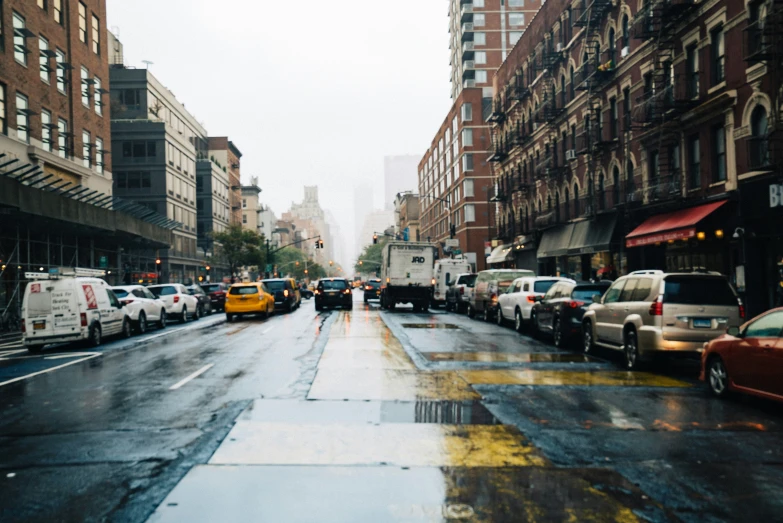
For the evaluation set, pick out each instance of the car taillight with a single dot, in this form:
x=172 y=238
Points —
x=575 y=304
x=24 y=326
x=220 y=293
x=531 y=299
x=84 y=319
x=494 y=298
x=434 y=281
x=462 y=291
x=347 y=291
x=317 y=291
x=176 y=299
x=285 y=293
x=368 y=288
x=126 y=302
x=741 y=310
x=656 y=308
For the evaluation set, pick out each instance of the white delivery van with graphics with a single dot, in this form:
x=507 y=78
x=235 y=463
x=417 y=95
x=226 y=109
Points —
x=408 y=274
x=69 y=305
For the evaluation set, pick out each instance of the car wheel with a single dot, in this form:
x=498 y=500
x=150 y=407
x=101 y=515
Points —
x=35 y=349
x=499 y=317
x=197 y=315
x=631 y=351
x=588 y=345
x=95 y=335
x=141 y=325
x=162 y=319
x=557 y=334
x=519 y=322
x=717 y=377
x=318 y=308
x=229 y=317
x=487 y=316
x=471 y=312
x=184 y=317
x=534 y=332
x=392 y=305
x=127 y=330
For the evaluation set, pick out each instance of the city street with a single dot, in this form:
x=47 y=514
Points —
x=371 y=416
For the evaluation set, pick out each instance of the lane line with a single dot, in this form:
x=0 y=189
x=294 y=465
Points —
x=11 y=352
x=65 y=356
x=196 y=374
x=48 y=370
x=268 y=330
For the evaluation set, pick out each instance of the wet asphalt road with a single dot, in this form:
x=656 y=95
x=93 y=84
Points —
x=372 y=416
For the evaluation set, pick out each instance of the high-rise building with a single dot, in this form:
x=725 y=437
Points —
x=377 y=222
x=481 y=34
x=399 y=175
x=363 y=197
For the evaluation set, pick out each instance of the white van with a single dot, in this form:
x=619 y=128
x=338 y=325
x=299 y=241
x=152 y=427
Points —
x=69 y=305
x=446 y=272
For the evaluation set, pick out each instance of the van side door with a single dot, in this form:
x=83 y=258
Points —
x=113 y=315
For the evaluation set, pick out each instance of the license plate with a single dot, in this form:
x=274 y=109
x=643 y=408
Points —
x=39 y=325
x=702 y=323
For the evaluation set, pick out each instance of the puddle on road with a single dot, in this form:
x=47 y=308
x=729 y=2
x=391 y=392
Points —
x=448 y=326
x=422 y=411
x=559 y=378
x=389 y=385
x=500 y=357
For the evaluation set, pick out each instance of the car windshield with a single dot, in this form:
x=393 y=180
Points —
x=163 y=291
x=508 y=277
x=543 y=285
x=586 y=293
x=120 y=293
x=241 y=291
x=211 y=288
x=689 y=290
x=334 y=285
x=275 y=285
x=468 y=281
x=374 y=284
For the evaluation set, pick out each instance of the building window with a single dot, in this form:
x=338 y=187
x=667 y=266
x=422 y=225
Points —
x=626 y=35
x=616 y=186
x=480 y=57
x=139 y=149
x=481 y=77
x=20 y=42
x=467 y=163
x=62 y=138
x=516 y=19
x=718 y=54
x=563 y=99
x=611 y=48
x=613 y=116
x=719 y=148
x=60 y=59
x=692 y=70
x=3 y=110
x=43 y=59
x=694 y=162
x=654 y=167
x=99 y=154
x=470 y=213
x=131 y=98
x=627 y=109
x=478 y=3
x=572 y=85
x=516 y=3
x=244 y=218
x=631 y=186
x=42 y=4
x=478 y=20
x=96 y=35
x=467 y=112
x=22 y=118
x=46 y=130
x=601 y=192
x=97 y=101
x=479 y=38
x=467 y=137
x=85 y=87
x=82 y=23
x=57 y=11
x=244 y=203
x=758 y=149
x=86 y=157
x=576 y=200
x=514 y=36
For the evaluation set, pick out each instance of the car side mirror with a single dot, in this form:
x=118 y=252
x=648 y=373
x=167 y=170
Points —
x=597 y=298
x=734 y=331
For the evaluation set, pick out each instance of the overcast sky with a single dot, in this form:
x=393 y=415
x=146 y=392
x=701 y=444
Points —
x=312 y=92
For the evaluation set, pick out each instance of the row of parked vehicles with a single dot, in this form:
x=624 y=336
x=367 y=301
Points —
x=72 y=305
x=644 y=315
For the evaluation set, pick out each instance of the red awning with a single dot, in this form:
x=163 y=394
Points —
x=678 y=225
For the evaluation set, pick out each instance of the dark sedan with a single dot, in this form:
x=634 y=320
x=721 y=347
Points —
x=333 y=292
x=372 y=290
x=284 y=293
x=204 y=301
x=559 y=312
x=217 y=295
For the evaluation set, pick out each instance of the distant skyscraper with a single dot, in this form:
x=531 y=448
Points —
x=400 y=174
x=363 y=198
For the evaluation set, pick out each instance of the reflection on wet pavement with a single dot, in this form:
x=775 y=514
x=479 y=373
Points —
x=430 y=326
x=498 y=357
x=389 y=384
x=576 y=378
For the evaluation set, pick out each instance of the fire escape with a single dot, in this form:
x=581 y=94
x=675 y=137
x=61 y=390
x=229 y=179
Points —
x=667 y=96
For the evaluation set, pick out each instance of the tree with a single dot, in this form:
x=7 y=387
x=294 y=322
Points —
x=239 y=248
x=369 y=261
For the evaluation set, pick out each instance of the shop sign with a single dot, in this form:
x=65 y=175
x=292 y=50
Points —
x=681 y=234
x=775 y=195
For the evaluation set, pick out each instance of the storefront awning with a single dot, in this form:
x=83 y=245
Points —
x=591 y=236
x=501 y=254
x=678 y=225
x=555 y=241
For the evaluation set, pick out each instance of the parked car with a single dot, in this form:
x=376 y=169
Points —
x=72 y=306
x=178 y=301
x=204 y=301
x=747 y=359
x=286 y=293
x=517 y=302
x=489 y=286
x=333 y=292
x=446 y=271
x=217 y=295
x=560 y=311
x=372 y=290
x=143 y=307
x=305 y=291
x=458 y=294
x=650 y=313
x=249 y=298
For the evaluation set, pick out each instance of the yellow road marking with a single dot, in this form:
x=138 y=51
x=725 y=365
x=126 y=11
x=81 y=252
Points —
x=389 y=384
x=365 y=359
x=501 y=357
x=555 y=377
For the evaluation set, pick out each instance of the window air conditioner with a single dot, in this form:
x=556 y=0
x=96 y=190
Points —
x=559 y=47
x=624 y=52
x=570 y=154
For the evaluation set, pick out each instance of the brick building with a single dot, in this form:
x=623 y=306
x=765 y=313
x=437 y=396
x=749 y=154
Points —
x=627 y=136
x=228 y=155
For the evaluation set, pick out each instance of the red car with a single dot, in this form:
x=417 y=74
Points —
x=748 y=359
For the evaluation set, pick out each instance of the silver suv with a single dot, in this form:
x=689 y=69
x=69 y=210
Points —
x=651 y=312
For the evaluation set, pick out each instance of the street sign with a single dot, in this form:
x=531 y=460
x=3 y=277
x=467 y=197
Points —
x=103 y=262
x=456 y=251
x=452 y=242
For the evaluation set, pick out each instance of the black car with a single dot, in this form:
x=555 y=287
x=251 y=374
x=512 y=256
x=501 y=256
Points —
x=217 y=295
x=372 y=290
x=284 y=293
x=559 y=312
x=305 y=292
x=204 y=302
x=333 y=292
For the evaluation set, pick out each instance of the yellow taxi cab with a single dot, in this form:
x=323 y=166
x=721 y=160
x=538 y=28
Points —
x=249 y=298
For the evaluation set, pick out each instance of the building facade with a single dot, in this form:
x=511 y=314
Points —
x=251 y=206
x=406 y=212
x=455 y=180
x=481 y=33
x=399 y=175
x=212 y=203
x=228 y=156
x=626 y=136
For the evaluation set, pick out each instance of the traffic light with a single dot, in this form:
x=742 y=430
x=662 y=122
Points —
x=331 y=263
x=317 y=244
x=208 y=267
x=453 y=230
x=375 y=239
x=321 y=244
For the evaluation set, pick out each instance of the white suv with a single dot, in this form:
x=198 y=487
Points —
x=517 y=302
x=143 y=307
x=178 y=301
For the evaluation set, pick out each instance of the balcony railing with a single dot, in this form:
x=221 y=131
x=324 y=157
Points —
x=498 y=114
x=466 y=12
x=669 y=102
x=591 y=12
x=664 y=188
x=657 y=16
x=548 y=111
x=548 y=167
x=499 y=151
x=757 y=42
